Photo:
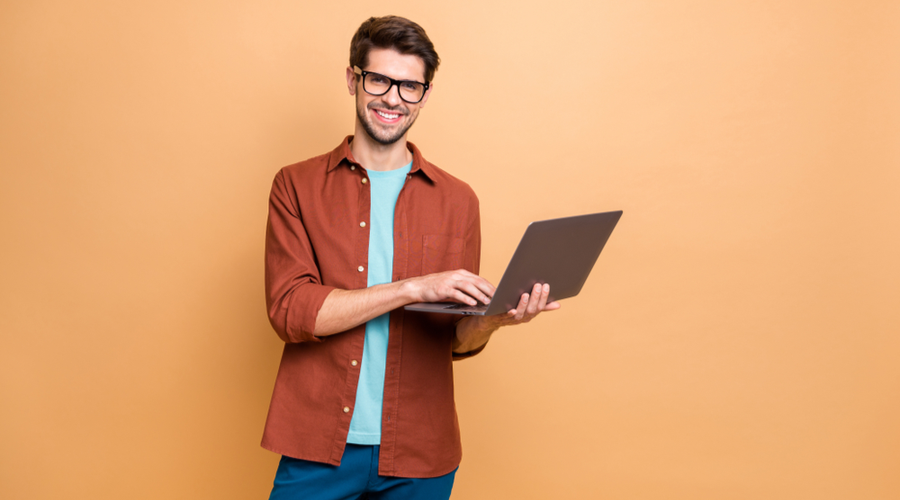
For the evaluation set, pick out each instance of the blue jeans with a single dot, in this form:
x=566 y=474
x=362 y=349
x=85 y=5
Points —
x=356 y=478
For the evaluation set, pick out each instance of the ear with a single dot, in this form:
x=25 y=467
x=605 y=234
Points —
x=427 y=93
x=351 y=81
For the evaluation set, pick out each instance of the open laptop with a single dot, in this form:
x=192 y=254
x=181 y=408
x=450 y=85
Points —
x=560 y=252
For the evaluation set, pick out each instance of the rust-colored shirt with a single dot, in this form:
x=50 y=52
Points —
x=317 y=239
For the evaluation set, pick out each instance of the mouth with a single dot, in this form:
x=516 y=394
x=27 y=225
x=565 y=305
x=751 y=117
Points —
x=387 y=116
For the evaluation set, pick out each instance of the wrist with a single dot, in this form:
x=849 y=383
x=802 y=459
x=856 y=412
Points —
x=471 y=333
x=484 y=324
x=409 y=291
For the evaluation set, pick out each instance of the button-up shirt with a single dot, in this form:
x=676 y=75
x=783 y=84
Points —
x=317 y=239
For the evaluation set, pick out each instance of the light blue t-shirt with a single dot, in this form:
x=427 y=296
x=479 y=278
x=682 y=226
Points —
x=365 y=425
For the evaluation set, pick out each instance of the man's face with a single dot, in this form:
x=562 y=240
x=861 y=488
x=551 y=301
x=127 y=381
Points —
x=386 y=118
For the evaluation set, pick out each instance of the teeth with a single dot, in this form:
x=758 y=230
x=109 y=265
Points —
x=389 y=116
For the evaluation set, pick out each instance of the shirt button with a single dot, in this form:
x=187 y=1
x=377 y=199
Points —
x=362 y=224
x=364 y=180
x=360 y=269
x=346 y=409
x=354 y=362
x=352 y=167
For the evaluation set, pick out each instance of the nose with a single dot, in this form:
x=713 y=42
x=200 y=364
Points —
x=393 y=96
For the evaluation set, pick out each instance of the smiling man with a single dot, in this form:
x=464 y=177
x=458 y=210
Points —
x=363 y=402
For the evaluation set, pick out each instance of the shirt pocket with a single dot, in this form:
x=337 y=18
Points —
x=441 y=253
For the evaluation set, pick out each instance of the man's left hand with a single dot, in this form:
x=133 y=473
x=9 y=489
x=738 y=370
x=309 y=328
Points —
x=528 y=308
x=474 y=331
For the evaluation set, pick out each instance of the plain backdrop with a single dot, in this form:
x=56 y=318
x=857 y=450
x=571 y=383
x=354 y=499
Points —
x=738 y=338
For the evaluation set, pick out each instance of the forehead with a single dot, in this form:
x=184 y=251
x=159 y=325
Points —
x=398 y=66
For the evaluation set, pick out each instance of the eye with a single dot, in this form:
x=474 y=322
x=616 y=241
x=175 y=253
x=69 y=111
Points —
x=378 y=79
x=410 y=86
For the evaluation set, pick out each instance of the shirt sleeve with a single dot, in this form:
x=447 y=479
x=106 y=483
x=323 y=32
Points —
x=472 y=258
x=294 y=290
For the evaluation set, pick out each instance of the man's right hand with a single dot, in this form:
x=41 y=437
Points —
x=345 y=309
x=455 y=286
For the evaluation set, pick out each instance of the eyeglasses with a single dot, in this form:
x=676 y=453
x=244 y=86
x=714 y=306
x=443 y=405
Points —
x=377 y=84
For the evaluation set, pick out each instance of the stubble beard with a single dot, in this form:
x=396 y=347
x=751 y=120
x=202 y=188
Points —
x=383 y=137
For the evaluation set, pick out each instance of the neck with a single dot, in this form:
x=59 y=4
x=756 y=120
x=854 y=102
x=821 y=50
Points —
x=373 y=155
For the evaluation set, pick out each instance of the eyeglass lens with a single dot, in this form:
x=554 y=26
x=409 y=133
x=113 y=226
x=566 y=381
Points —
x=410 y=91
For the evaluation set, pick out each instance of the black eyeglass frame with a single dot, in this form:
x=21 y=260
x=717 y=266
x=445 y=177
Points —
x=362 y=73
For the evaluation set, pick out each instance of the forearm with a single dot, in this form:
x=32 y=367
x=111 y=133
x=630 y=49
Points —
x=345 y=309
x=471 y=333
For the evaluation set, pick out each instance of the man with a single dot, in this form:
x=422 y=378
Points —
x=363 y=401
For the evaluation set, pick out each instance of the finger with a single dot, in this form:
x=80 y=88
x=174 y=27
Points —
x=536 y=294
x=487 y=288
x=484 y=288
x=545 y=294
x=461 y=296
x=552 y=306
x=523 y=305
x=483 y=285
x=473 y=291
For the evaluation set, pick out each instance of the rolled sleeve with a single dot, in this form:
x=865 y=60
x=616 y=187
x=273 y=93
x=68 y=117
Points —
x=457 y=356
x=294 y=290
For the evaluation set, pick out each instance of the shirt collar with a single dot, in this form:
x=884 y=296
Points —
x=342 y=154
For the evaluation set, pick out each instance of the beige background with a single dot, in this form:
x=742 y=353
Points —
x=738 y=338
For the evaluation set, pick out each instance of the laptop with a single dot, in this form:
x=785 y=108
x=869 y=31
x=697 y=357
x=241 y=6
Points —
x=560 y=252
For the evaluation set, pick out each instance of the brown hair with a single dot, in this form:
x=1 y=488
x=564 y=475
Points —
x=393 y=32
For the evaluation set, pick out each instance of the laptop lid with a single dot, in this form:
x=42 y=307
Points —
x=560 y=252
